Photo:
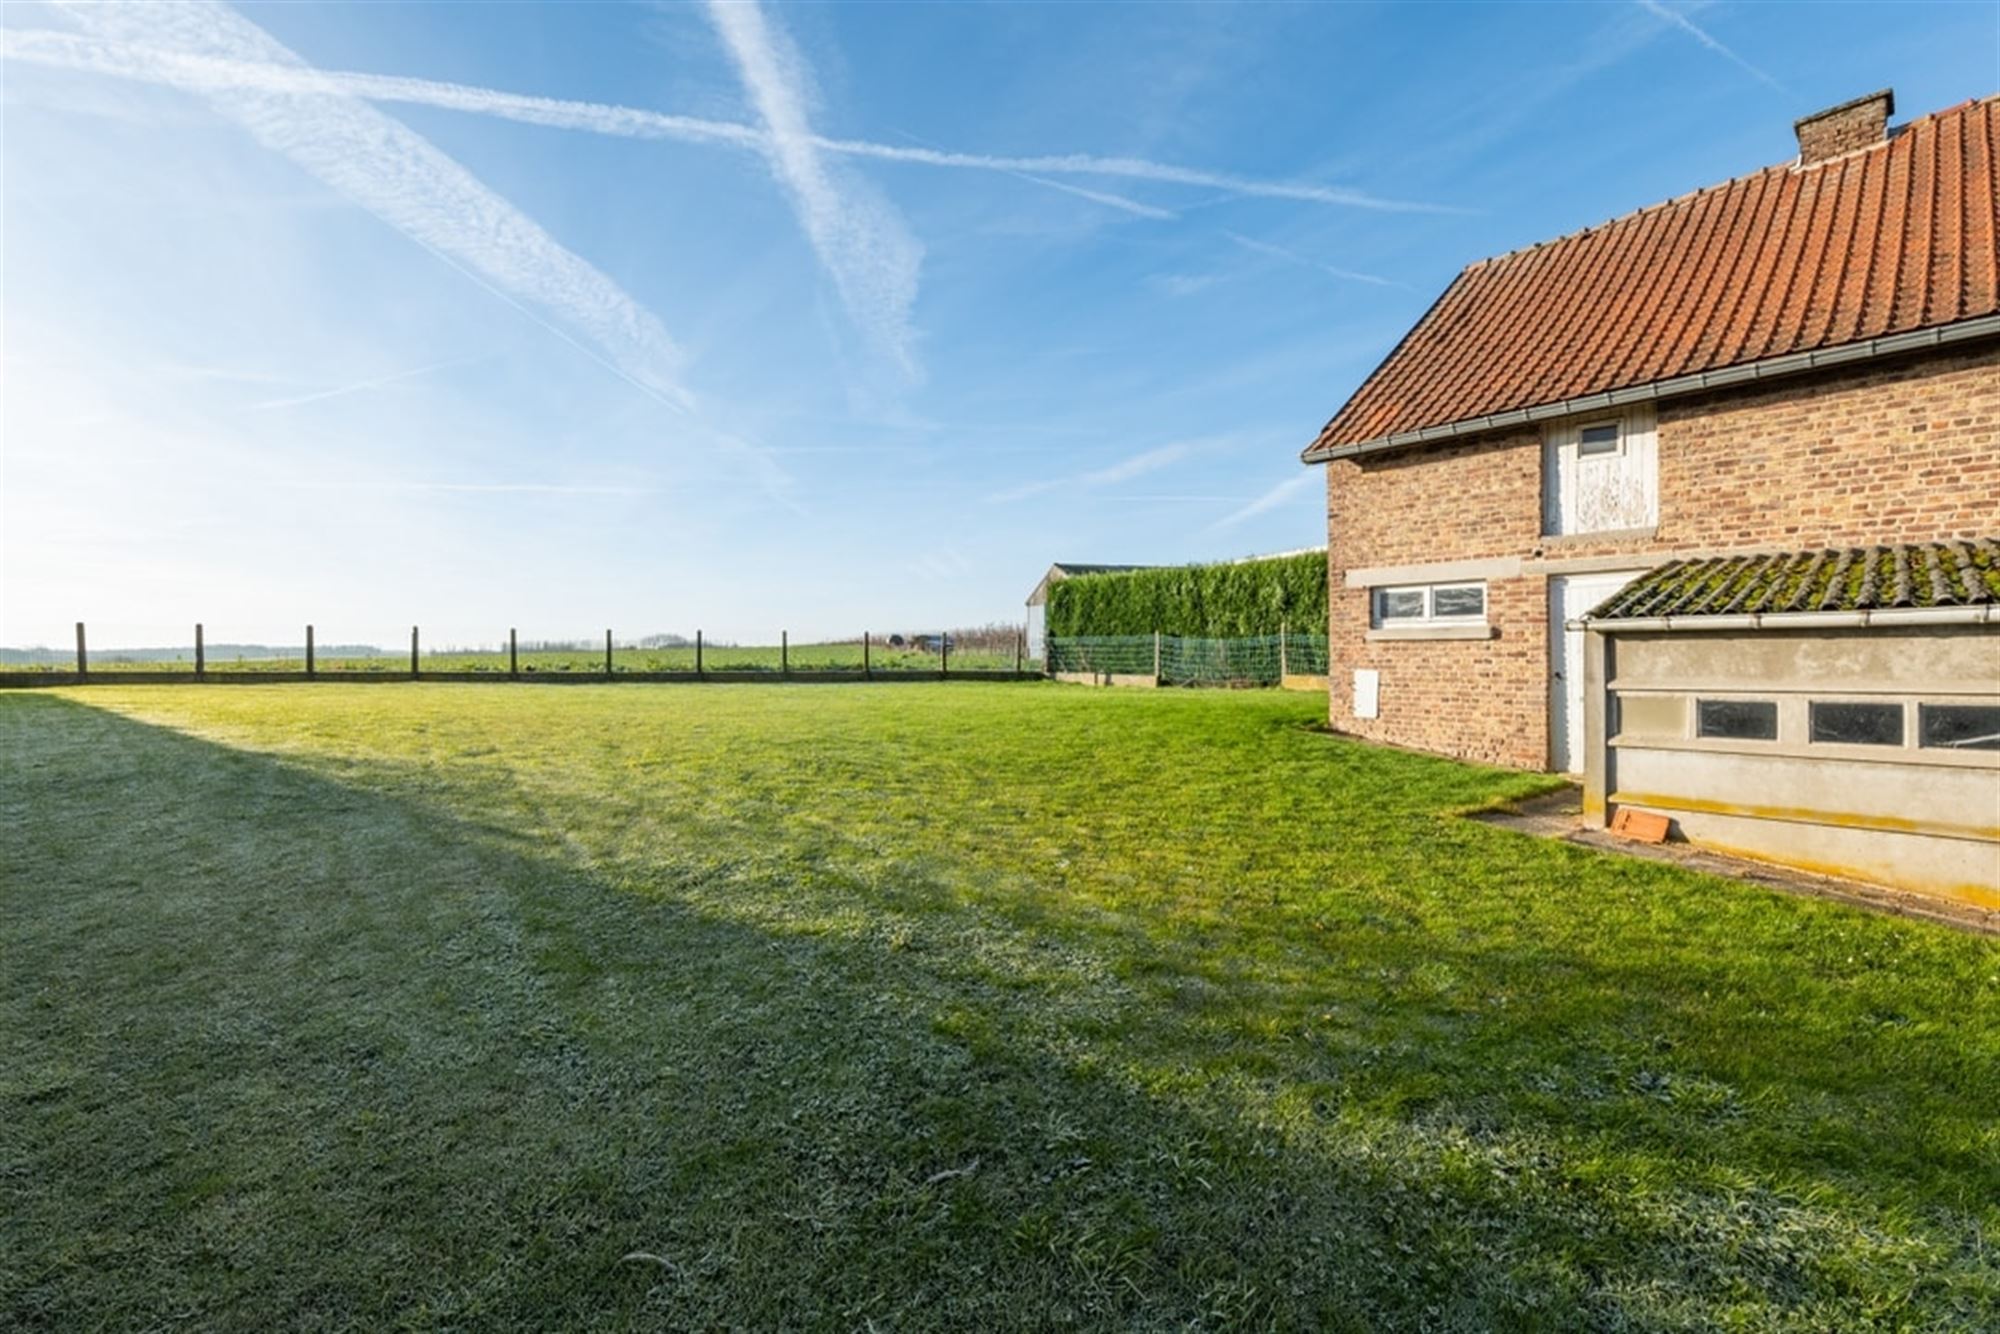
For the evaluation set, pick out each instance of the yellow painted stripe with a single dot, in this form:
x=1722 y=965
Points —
x=1808 y=815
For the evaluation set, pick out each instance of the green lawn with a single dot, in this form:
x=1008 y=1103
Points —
x=929 y=1006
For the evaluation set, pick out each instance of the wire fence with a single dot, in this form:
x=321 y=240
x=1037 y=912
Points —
x=989 y=650
x=1261 y=660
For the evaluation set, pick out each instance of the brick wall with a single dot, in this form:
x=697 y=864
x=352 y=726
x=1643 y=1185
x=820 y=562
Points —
x=1907 y=451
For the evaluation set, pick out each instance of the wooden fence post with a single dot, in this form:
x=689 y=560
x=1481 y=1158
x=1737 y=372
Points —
x=866 y=669
x=1284 y=661
x=82 y=657
x=513 y=655
x=1020 y=648
x=944 y=653
x=309 y=652
x=697 y=654
x=607 y=655
x=413 y=653
x=200 y=663
x=1156 y=657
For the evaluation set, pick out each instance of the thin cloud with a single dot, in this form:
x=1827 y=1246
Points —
x=1140 y=169
x=356 y=387
x=1688 y=26
x=1138 y=465
x=1270 y=500
x=62 y=49
x=864 y=245
x=1104 y=197
x=483 y=488
x=1184 y=284
x=403 y=179
x=1293 y=257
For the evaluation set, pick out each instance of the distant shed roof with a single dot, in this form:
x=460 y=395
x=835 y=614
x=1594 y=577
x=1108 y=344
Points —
x=1899 y=237
x=1069 y=569
x=1876 y=578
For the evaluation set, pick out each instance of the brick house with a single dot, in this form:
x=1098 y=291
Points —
x=1801 y=362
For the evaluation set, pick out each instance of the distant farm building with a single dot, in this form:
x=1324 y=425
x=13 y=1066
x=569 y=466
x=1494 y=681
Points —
x=1038 y=601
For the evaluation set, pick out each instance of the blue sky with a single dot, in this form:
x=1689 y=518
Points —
x=816 y=317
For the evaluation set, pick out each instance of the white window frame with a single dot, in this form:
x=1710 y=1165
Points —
x=1617 y=450
x=1379 y=597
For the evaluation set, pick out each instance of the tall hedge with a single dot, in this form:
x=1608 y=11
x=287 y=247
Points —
x=1206 y=601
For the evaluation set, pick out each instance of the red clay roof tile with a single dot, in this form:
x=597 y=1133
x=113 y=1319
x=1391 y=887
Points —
x=1899 y=236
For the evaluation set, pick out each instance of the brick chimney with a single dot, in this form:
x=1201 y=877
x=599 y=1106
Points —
x=1842 y=129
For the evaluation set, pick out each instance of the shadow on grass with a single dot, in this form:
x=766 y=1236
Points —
x=277 y=1050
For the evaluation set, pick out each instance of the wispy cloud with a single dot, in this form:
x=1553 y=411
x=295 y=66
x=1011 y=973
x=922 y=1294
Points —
x=1137 y=465
x=1270 y=500
x=1138 y=169
x=354 y=387
x=1184 y=284
x=864 y=245
x=1688 y=26
x=400 y=177
x=482 y=488
x=1255 y=246
x=1103 y=197
x=244 y=74
x=63 y=49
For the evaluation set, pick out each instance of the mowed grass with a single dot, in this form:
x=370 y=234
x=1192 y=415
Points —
x=930 y=1007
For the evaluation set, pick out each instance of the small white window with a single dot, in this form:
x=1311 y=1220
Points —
x=1600 y=438
x=1430 y=604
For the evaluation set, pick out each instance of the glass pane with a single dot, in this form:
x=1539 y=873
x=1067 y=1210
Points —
x=1402 y=604
x=1743 y=719
x=1858 y=724
x=1461 y=601
x=1598 y=440
x=1959 y=726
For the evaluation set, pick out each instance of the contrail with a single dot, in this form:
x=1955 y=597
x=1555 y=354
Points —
x=1252 y=244
x=46 y=47
x=400 y=177
x=1688 y=26
x=356 y=387
x=857 y=235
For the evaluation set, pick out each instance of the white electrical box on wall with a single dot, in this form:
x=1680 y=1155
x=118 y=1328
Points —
x=1367 y=692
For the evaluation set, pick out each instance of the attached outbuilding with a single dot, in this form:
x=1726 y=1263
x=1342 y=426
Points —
x=1836 y=710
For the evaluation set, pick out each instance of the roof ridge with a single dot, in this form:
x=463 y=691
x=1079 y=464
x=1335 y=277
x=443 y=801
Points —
x=1793 y=165
x=1757 y=275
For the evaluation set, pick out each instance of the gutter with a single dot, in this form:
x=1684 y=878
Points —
x=1750 y=372
x=1885 y=618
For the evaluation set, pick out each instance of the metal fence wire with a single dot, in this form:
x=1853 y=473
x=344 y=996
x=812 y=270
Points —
x=1185 y=661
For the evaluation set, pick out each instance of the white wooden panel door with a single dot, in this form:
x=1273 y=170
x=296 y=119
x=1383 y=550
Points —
x=1594 y=486
x=1570 y=596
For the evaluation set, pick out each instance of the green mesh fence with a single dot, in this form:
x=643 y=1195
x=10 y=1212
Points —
x=1178 y=660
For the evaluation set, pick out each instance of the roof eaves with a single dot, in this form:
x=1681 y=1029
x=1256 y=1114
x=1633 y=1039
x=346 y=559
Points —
x=1791 y=363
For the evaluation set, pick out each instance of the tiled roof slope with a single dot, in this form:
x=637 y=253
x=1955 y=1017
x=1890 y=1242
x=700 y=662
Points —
x=1925 y=574
x=1893 y=238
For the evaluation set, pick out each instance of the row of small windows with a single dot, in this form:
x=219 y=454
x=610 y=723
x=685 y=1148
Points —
x=1430 y=604
x=1849 y=723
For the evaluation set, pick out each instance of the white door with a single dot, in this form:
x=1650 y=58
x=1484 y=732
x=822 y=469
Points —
x=1570 y=596
x=1601 y=474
